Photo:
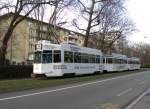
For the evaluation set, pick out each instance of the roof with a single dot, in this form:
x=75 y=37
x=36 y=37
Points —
x=35 y=20
x=68 y=47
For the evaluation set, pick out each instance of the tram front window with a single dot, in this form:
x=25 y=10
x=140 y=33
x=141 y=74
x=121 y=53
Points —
x=47 y=56
x=37 y=57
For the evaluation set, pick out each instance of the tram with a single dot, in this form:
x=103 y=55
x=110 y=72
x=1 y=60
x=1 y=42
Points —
x=133 y=63
x=54 y=60
x=115 y=62
x=61 y=59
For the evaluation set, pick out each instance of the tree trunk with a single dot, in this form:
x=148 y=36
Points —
x=2 y=54
x=89 y=25
x=86 y=38
x=3 y=48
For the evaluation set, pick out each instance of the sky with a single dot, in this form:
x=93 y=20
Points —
x=138 y=11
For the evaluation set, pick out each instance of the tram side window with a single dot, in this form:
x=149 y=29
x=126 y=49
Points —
x=57 y=56
x=117 y=61
x=68 y=57
x=97 y=59
x=133 y=62
x=104 y=60
x=130 y=62
x=120 y=61
x=125 y=62
x=137 y=62
x=92 y=59
x=84 y=58
x=47 y=56
x=77 y=57
x=109 y=60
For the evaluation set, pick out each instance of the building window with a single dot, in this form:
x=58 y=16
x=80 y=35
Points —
x=65 y=39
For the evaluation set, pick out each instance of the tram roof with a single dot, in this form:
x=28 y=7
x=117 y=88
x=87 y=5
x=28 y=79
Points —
x=46 y=45
x=134 y=58
x=115 y=55
x=119 y=55
x=76 y=48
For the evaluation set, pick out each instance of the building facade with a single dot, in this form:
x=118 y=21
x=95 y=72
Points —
x=22 y=43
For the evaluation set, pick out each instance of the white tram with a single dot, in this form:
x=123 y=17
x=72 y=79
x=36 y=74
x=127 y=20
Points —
x=115 y=62
x=61 y=59
x=54 y=60
x=133 y=63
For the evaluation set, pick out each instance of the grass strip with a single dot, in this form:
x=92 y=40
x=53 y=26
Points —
x=26 y=84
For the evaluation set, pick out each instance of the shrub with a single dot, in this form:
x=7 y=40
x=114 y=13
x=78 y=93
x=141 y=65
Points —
x=15 y=71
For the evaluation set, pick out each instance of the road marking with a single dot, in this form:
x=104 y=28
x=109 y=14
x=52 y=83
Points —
x=124 y=92
x=132 y=104
x=110 y=106
x=65 y=88
x=143 y=82
x=138 y=80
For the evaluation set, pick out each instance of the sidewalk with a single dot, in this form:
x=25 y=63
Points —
x=144 y=103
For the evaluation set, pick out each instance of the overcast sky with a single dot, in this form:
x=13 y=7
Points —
x=139 y=12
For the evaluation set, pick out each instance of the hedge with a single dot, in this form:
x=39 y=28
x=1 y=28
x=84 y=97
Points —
x=146 y=66
x=15 y=71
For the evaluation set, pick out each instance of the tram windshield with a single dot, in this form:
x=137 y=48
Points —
x=37 y=57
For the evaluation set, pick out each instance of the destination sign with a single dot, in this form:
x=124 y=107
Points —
x=38 y=47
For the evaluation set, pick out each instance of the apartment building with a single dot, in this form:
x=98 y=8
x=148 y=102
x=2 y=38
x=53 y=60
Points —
x=22 y=43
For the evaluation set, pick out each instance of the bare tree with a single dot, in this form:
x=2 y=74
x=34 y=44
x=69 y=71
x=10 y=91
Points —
x=90 y=12
x=5 y=5
x=54 y=20
x=39 y=15
x=141 y=50
x=21 y=6
x=114 y=26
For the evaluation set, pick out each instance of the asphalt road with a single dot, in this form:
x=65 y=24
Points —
x=100 y=94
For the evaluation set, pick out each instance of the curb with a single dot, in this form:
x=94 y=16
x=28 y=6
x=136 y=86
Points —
x=133 y=103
